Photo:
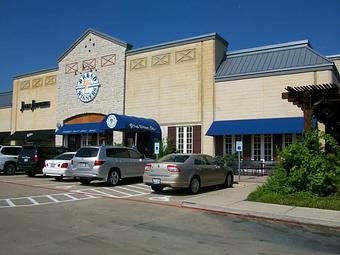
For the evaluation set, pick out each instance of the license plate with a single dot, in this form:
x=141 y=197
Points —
x=156 y=181
x=25 y=159
x=52 y=165
x=83 y=164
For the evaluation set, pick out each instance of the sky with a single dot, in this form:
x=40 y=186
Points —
x=35 y=33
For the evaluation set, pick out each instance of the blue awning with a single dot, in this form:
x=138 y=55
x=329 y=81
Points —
x=257 y=126
x=84 y=128
x=125 y=123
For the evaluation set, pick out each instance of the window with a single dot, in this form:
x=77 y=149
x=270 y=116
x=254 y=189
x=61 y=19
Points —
x=135 y=154
x=89 y=139
x=184 y=138
x=174 y=158
x=230 y=143
x=262 y=147
x=87 y=152
x=268 y=147
x=257 y=147
x=117 y=153
x=288 y=139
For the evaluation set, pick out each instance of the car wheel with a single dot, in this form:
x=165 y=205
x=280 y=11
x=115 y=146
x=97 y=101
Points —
x=10 y=169
x=113 y=178
x=58 y=178
x=85 y=181
x=30 y=174
x=157 y=188
x=194 y=186
x=229 y=180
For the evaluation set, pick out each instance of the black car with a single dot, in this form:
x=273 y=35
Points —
x=32 y=158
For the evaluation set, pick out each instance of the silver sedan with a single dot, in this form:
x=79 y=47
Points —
x=191 y=171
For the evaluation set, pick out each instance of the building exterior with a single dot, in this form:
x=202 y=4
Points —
x=5 y=117
x=193 y=91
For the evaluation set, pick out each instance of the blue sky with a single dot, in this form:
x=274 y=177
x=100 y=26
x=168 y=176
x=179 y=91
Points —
x=35 y=33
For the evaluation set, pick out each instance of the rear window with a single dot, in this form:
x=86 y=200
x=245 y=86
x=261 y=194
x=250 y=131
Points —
x=64 y=156
x=11 y=150
x=87 y=152
x=28 y=151
x=174 y=158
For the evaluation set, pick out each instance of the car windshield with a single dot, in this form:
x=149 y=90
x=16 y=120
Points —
x=87 y=152
x=174 y=158
x=67 y=156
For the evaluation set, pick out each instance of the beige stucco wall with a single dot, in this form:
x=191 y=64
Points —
x=175 y=85
x=169 y=92
x=39 y=87
x=261 y=97
x=5 y=117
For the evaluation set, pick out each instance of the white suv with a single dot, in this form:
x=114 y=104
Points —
x=9 y=158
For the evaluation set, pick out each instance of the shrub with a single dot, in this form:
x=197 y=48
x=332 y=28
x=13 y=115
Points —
x=305 y=168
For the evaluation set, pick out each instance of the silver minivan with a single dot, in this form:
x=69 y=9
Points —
x=108 y=163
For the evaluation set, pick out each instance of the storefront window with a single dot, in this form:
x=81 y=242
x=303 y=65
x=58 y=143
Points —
x=268 y=147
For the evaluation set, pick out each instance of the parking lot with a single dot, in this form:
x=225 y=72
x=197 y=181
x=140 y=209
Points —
x=22 y=191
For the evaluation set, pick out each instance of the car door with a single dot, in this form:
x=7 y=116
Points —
x=217 y=173
x=137 y=163
x=121 y=159
x=202 y=170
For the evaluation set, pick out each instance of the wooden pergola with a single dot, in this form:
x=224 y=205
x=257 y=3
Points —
x=320 y=101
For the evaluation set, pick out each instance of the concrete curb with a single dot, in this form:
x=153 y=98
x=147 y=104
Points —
x=283 y=219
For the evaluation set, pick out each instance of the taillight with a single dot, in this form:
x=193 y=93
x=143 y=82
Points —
x=45 y=165
x=36 y=158
x=99 y=162
x=173 y=169
x=147 y=167
x=64 y=165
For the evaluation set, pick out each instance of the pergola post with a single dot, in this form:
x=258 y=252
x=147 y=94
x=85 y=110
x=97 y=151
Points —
x=307 y=111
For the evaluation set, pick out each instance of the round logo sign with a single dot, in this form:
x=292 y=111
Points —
x=87 y=87
x=111 y=121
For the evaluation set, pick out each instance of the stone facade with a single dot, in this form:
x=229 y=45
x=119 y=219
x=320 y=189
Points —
x=107 y=60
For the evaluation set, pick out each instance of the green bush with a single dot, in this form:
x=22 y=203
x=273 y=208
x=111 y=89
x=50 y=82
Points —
x=227 y=159
x=304 y=168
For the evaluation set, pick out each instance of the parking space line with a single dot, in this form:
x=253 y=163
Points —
x=72 y=197
x=10 y=203
x=136 y=191
x=121 y=192
x=52 y=198
x=138 y=187
x=32 y=200
x=103 y=193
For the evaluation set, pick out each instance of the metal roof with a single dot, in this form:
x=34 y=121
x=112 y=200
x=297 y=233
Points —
x=97 y=33
x=194 y=39
x=292 y=57
x=6 y=99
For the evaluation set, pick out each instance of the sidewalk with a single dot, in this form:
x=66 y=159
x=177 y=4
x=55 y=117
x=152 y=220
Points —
x=233 y=201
